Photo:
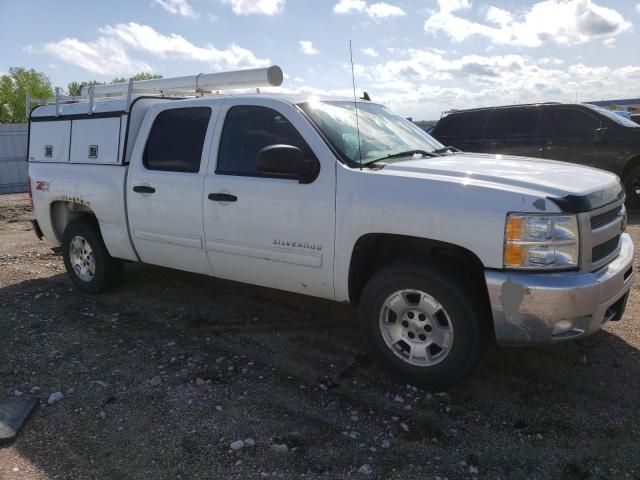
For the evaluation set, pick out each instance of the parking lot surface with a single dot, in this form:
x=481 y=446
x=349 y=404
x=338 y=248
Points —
x=176 y=375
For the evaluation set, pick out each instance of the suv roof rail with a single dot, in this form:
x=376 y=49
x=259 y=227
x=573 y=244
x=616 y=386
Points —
x=185 y=86
x=448 y=112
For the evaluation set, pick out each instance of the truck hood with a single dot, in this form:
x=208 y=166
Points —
x=586 y=188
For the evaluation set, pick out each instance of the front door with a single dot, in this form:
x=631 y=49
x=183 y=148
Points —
x=266 y=229
x=513 y=131
x=164 y=190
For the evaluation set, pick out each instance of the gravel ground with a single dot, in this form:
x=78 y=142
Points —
x=175 y=375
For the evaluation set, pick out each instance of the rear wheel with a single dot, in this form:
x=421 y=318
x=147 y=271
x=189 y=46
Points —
x=632 y=187
x=421 y=324
x=88 y=263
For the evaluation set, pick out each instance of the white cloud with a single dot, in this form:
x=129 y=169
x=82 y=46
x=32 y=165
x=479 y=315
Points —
x=423 y=83
x=375 y=11
x=177 y=7
x=369 y=52
x=384 y=10
x=252 y=7
x=102 y=56
x=110 y=53
x=346 y=6
x=306 y=46
x=638 y=8
x=566 y=22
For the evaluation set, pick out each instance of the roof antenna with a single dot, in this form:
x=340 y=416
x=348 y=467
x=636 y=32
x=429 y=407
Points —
x=355 y=103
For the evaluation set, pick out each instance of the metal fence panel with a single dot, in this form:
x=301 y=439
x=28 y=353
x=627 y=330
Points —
x=13 y=158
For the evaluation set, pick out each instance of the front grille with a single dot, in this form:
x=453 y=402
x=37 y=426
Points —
x=602 y=230
x=604 y=218
x=605 y=249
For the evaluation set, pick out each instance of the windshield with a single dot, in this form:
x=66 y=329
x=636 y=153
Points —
x=613 y=116
x=382 y=133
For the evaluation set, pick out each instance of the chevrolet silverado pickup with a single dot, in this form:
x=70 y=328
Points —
x=438 y=249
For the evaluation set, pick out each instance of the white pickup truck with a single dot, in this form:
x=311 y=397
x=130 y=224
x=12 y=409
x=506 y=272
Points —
x=439 y=249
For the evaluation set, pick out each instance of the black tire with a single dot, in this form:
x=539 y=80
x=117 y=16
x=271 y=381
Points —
x=632 y=188
x=107 y=270
x=466 y=347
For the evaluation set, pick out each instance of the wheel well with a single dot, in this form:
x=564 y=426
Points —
x=63 y=213
x=373 y=252
x=632 y=163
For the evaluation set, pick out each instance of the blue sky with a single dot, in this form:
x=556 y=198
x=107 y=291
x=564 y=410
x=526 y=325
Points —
x=419 y=57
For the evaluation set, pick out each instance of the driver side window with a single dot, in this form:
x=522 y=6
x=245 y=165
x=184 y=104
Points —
x=247 y=130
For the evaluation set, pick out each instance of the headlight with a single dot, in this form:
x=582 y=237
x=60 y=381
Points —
x=534 y=241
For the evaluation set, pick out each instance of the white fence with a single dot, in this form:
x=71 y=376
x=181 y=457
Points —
x=13 y=158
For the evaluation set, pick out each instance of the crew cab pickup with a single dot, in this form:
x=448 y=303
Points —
x=440 y=250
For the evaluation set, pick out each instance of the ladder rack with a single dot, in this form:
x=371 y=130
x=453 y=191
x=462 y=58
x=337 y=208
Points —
x=186 y=86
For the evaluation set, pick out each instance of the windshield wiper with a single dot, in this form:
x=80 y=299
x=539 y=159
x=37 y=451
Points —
x=406 y=153
x=447 y=149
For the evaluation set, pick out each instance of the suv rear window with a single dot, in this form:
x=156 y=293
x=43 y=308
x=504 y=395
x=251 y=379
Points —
x=512 y=122
x=468 y=125
x=567 y=122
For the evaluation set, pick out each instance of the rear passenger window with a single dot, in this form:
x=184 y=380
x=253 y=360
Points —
x=247 y=130
x=176 y=140
x=464 y=125
x=513 y=122
x=568 y=122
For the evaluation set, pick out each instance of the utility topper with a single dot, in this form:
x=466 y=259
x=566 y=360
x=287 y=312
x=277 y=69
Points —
x=92 y=127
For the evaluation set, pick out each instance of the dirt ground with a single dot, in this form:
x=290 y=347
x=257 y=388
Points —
x=160 y=376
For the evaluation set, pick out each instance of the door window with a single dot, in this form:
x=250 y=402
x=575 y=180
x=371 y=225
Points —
x=247 y=130
x=512 y=122
x=464 y=125
x=176 y=140
x=568 y=122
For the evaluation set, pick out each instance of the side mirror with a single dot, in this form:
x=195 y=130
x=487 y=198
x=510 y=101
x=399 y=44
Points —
x=600 y=135
x=289 y=161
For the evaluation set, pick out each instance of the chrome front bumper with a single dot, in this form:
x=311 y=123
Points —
x=535 y=308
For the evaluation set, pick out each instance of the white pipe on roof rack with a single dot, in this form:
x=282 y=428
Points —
x=251 y=78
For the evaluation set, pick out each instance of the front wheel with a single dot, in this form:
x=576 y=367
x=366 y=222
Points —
x=420 y=323
x=632 y=188
x=88 y=263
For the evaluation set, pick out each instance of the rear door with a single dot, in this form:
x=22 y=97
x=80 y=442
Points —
x=164 y=189
x=569 y=134
x=264 y=229
x=513 y=131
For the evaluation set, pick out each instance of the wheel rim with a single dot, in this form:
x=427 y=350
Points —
x=416 y=327
x=82 y=259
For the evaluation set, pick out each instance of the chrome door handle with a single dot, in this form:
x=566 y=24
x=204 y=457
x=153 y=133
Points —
x=144 y=189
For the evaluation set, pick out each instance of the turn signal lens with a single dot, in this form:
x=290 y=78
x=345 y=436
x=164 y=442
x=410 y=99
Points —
x=513 y=254
x=515 y=228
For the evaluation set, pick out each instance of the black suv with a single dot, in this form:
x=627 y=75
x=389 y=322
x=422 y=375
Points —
x=578 y=133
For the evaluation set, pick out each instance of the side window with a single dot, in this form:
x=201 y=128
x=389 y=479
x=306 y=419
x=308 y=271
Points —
x=247 y=130
x=176 y=139
x=467 y=126
x=568 y=122
x=512 y=122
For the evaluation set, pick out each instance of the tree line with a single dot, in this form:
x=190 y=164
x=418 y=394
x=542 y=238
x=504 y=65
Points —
x=18 y=81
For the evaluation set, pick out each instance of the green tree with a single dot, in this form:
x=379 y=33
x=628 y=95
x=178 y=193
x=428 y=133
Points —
x=73 y=88
x=138 y=76
x=13 y=89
